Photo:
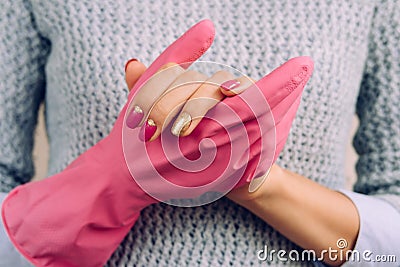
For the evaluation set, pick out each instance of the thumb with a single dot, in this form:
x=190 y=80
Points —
x=133 y=70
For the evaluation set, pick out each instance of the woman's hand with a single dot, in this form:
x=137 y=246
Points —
x=272 y=101
x=174 y=90
x=292 y=212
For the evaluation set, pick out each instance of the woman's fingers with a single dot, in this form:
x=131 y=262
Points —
x=170 y=103
x=150 y=92
x=133 y=70
x=205 y=97
x=236 y=86
x=161 y=98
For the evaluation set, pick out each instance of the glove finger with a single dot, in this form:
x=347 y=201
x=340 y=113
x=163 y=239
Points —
x=283 y=128
x=287 y=80
x=186 y=49
x=275 y=91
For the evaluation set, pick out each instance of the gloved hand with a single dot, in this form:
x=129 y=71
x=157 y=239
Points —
x=9 y=255
x=239 y=139
x=79 y=216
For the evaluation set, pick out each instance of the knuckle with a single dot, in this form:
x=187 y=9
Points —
x=223 y=74
x=159 y=112
x=171 y=67
x=168 y=65
x=195 y=75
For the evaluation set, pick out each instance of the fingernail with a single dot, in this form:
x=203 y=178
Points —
x=129 y=61
x=230 y=85
x=147 y=131
x=181 y=124
x=135 y=117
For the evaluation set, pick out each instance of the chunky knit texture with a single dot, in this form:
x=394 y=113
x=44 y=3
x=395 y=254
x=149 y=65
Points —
x=70 y=54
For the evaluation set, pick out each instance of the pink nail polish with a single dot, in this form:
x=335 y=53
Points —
x=147 y=131
x=135 y=117
x=230 y=85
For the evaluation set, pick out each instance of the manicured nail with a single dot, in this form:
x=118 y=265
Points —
x=129 y=61
x=181 y=124
x=147 y=131
x=230 y=85
x=135 y=117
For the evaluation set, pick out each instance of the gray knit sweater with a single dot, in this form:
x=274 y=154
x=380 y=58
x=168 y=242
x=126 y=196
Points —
x=71 y=54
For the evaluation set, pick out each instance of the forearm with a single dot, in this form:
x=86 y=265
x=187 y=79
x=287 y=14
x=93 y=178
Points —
x=312 y=216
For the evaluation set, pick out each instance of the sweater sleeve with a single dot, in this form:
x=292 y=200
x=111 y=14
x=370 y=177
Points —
x=22 y=82
x=377 y=140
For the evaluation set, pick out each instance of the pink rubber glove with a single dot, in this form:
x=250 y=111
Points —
x=79 y=216
x=239 y=139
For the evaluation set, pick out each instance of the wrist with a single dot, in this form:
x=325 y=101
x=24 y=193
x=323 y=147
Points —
x=271 y=188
